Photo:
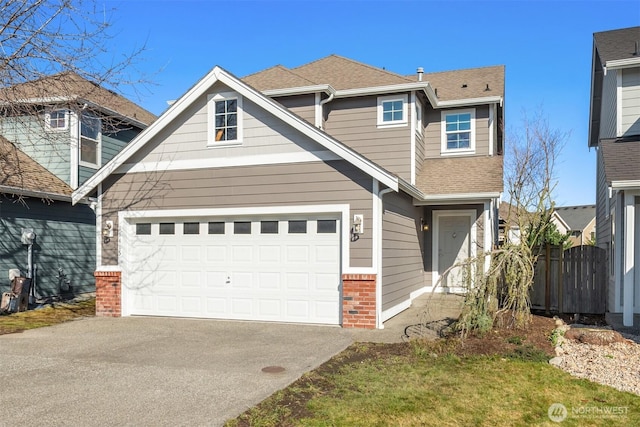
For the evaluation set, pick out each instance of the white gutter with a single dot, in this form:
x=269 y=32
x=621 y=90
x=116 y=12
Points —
x=301 y=90
x=470 y=101
x=622 y=63
x=455 y=198
x=40 y=194
x=626 y=185
x=321 y=106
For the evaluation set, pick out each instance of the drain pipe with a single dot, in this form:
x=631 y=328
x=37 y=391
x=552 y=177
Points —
x=380 y=211
x=332 y=94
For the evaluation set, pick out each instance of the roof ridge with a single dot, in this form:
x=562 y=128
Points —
x=280 y=67
x=466 y=69
x=355 y=62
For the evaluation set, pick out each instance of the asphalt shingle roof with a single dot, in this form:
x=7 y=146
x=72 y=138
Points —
x=577 y=217
x=459 y=175
x=21 y=172
x=617 y=44
x=72 y=86
x=621 y=160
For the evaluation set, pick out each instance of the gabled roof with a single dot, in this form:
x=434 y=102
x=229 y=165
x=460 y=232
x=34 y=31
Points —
x=346 y=77
x=576 y=217
x=621 y=160
x=468 y=83
x=461 y=175
x=199 y=89
x=618 y=44
x=20 y=174
x=68 y=87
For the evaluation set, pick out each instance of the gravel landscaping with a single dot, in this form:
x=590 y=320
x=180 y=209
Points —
x=600 y=355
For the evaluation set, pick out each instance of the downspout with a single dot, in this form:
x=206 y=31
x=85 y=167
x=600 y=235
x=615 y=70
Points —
x=321 y=106
x=380 y=210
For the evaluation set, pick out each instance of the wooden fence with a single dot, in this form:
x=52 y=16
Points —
x=570 y=281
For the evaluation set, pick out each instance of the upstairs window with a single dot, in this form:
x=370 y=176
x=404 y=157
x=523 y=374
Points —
x=392 y=111
x=56 y=120
x=458 y=132
x=90 y=135
x=225 y=119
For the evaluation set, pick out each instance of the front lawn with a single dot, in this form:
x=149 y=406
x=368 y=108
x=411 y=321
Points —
x=430 y=384
x=47 y=316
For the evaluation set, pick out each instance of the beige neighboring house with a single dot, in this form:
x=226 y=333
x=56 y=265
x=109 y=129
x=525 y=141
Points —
x=577 y=221
x=332 y=193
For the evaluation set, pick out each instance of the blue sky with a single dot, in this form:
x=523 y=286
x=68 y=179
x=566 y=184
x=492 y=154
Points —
x=545 y=45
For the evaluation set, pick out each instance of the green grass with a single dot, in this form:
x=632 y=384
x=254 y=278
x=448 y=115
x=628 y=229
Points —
x=48 y=316
x=438 y=390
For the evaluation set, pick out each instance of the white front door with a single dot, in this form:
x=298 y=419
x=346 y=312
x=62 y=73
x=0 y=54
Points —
x=244 y=268
x=452 y=246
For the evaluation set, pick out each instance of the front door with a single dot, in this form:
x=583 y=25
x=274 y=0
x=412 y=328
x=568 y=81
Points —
x=453 y=248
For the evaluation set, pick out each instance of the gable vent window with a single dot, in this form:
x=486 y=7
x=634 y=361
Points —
x=225 y=119
x=90 y=133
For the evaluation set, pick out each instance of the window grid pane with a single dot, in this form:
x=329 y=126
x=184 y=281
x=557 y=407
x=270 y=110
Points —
x=298 y=227
x=226 y=120
x=216 y=228
x=269 y=227
x=458 y=127
x=191 y=228
x=392 y=111
x=326 y=226
x=242 y=227
x=143 y=229
x=167 y=228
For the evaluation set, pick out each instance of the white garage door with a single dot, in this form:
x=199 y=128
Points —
x=271 y=269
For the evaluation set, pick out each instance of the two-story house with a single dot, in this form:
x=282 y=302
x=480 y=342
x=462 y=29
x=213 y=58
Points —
x=577 y=221
x=55 y=133
x=614 y=131
x=334 y=192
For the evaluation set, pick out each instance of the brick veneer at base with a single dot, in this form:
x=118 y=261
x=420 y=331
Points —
x=108 y=299
x=359 y=301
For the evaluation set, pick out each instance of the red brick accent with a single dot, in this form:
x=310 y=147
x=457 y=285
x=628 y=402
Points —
x=359 y=301
x=108 y=297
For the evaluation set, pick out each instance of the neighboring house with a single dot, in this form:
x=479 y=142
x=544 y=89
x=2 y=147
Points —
x=333 y=193
x=54 y=134
x=614 y=131
x=509 y=229
x=577 y=221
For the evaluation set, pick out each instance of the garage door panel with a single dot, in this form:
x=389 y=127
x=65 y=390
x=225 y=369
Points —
x=278 y=273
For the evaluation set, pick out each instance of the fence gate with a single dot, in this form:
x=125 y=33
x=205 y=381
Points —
x=570 y=281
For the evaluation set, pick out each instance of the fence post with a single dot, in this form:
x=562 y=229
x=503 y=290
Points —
x=561 y=281
x=547 y=279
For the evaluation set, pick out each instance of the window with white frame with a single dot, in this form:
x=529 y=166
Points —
x=56 y=120
x=90 y=136
x=418 y=118
x=225 y=119
x=458 y=131
x=392 y=110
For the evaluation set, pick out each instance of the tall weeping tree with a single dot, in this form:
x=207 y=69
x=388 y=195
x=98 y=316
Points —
x=44 y=38
x=530 y=179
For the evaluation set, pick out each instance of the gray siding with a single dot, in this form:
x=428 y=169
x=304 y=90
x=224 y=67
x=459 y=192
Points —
x=433 y=136
x=186 y=137
x=50 y=149
x=630 y=101
x=603 y=225
x=302 y=105
x=353 y=121
x=419 y=151
x=84 y=173
x=112 y=144
x=608 y=124
x=65 y=239
x=269 y=185
x=401 y=250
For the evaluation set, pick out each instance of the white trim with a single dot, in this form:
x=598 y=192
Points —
x=492 y=138
x=400 y=307
x=74 y=150
x=211 y=119
x=487 y=246
x=317 y=107
x=412 y=136
x=618 y=228
x=99 y=228
x=109 y=268
x=629 y=259
x=470 y=102
x=223 y=162
x=98 y=142
x=473 y=237
x=300 y=90
x=378 y=213
x=381 y=123
x=622 y=63
x=38 y=194
x=626 y=185
x=47 y=120
x=618 y=104
x=200 y=88
x=435 y=199
x=444 y=151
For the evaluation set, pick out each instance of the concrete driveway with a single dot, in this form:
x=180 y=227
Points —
x=152 y=371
